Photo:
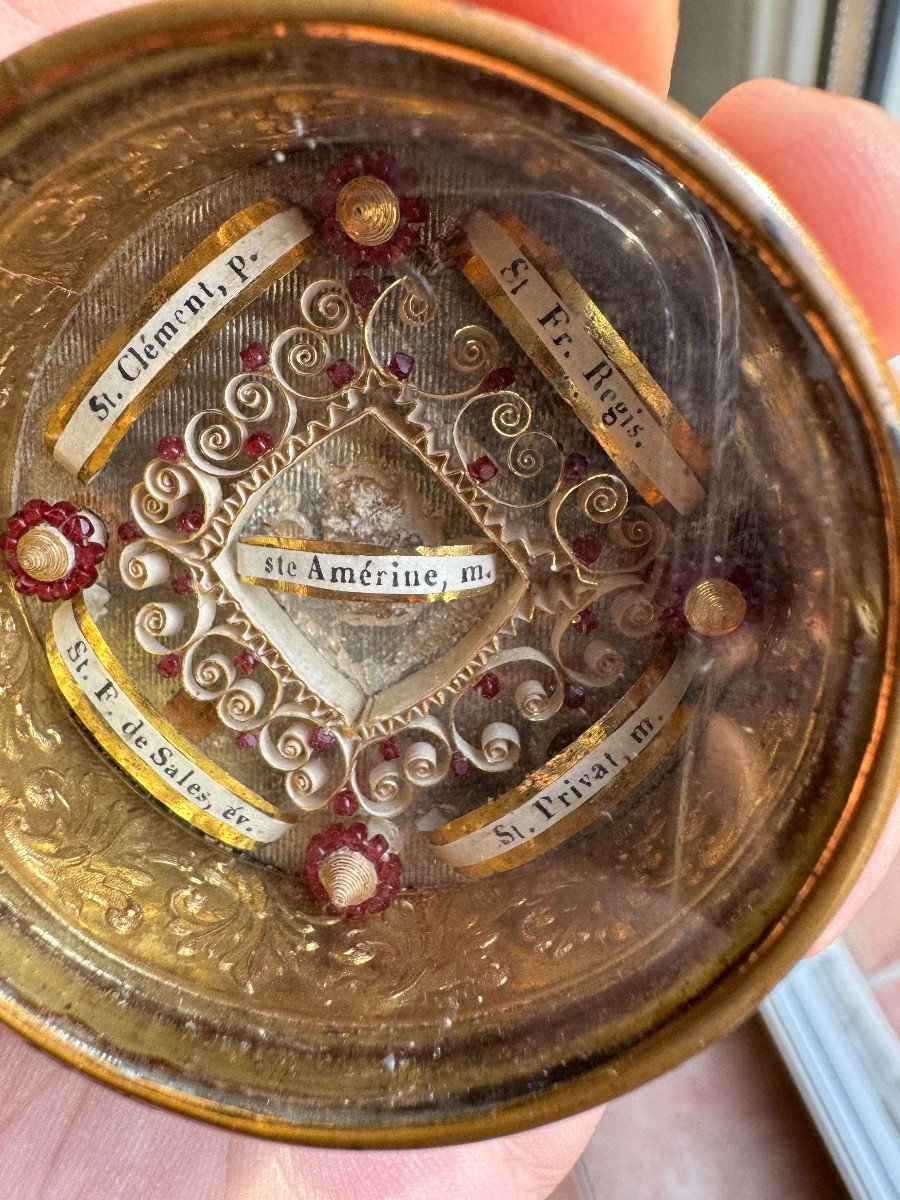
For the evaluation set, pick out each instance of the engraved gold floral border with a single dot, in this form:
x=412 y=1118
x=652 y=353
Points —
x=221 y=239
x=130 y=762
x=459 y=550
x=518 y=54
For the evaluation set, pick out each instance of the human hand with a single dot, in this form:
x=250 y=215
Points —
x=836 y=162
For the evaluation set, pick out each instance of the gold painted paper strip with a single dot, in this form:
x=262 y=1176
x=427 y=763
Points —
x=145 y=744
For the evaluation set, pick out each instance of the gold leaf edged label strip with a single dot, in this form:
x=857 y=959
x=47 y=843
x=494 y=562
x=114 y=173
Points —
x=352 y=571
x=574 y=346
x=601 y=765
x=222 y=275
x=147 y=746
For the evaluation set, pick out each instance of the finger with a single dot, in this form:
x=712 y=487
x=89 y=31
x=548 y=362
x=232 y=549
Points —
x=523 y=1166
x=24 y=21
x=872 y=874
x=636 y=36
x=836 y=163
x=66 y=1137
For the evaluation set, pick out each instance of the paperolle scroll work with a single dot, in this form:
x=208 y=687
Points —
x=405 y=569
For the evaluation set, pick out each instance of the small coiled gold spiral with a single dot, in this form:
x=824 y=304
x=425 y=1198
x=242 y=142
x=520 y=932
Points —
x=714 y=607
x=348 y=877
x=368 y=210
x=45 y=554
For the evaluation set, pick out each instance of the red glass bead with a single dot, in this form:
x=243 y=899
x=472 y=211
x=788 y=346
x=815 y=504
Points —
x=183 y=585
x=586 y=621
x=340 y=372
x=314 y=854
x=331 y=838
x=401 y=365
x=16 y=526
x=586 y=549
x=189 y=521
x=488 y=685
x=83 y=577
x=246 y=740
x=48 y=590
x=89 y=554
x=404 y=239
x=379 y=844
x=170 y=448
x=169 y=665
x=321 y=739
x=259 y=443
x=363 y=290
x=499 y=379
x=389 y=749
x=246 y=662
x=60 y=513
x=404 y=179
x=575 y=467
x=377 y=904
x=67 y=588
x=25 y=585
x=128 y=531
x=35 y=510
x=78 y=528
x=482 y=469
x=573 y=696
x=332 y=233
x=344 y=803
x=254 y=356
x=460 y=766
x=391 y=867
x=414 y=209
x=355 y=833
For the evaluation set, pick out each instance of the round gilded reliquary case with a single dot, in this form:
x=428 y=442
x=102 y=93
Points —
x=449 y=605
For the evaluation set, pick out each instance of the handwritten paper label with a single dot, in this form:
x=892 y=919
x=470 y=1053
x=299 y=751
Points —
x=228 y=270
x=141 y=740
x=353 y=573
x=581 y=782
x=573 y=344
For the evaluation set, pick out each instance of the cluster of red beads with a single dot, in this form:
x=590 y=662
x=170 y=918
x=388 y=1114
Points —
x=353 y=837
x=413 y=208
x=75 y=528
x=675 y=580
